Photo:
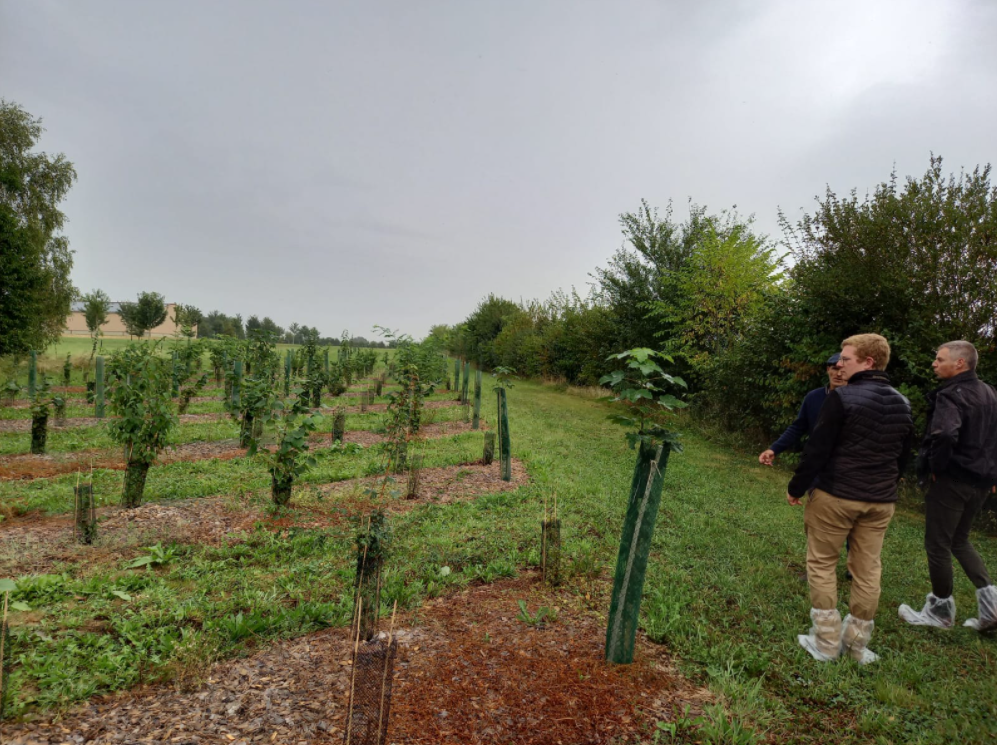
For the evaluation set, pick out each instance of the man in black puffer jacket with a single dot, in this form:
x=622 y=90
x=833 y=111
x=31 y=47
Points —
x=854 y=459
x=958 y=462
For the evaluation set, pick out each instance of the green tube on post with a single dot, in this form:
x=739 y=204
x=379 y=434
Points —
x=173 y=375
x=476 y=421
x=456 y=375
x=635 y=546
x=32 y=374
x=467 y=376
x=505 y=447
x=287 y=373
x=326 y=362
x=236 y=384
x=98 y=389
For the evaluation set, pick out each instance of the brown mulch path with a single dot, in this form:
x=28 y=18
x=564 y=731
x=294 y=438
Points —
x=467 y=671
x=35 y=544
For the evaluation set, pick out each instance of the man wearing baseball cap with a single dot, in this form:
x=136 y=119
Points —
x=809 y=411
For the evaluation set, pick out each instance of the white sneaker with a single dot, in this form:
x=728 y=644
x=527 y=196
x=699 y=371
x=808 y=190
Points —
x=937 y=612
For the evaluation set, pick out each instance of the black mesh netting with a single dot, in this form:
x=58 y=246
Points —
x=370 y=693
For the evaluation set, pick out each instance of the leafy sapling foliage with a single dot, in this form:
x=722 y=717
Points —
x=641 y=387
x=140 y=400
x=41 y=405
x=289 y=457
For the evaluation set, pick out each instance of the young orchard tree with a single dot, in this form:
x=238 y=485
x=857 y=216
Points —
x=96 y=306
x=147 y=313
x=289 y=458
x=188 y=378
x=40 y=408
x=641 y=388
x=139 y=397
x=186 y=318
x=259 y=388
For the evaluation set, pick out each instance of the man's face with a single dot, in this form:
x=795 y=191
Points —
x=834 y=377
x=944 y=366
x=850 y=363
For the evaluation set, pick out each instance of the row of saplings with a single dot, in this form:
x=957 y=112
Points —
x=140 y=384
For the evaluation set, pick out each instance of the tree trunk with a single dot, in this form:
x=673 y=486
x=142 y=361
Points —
x=135 y=474
x=280 y=489
x=39 y=433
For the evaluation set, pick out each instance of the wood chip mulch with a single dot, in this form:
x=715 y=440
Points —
x=467 y=671
x=32 y=544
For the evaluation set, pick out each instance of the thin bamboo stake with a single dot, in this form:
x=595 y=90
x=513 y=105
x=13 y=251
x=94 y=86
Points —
x=76 y=509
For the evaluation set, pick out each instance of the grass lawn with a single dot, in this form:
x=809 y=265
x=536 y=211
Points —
x=724 y=589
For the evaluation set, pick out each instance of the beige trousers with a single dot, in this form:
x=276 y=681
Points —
x=829 y=522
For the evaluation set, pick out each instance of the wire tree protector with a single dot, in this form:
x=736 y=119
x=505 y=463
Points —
x=641 y=387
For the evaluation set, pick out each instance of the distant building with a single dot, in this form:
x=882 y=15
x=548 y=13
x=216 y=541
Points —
x=76 y=324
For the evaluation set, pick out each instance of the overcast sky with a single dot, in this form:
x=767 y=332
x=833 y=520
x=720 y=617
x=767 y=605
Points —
x=341 y=164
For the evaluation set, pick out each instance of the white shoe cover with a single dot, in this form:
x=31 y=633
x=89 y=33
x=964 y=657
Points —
x=824 y=640
x=937 y=612
x=986 y=599
x=855 y=636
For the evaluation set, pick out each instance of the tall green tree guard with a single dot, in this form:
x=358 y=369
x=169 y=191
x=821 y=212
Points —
x=638 y=388
x=456 y=375
x=32 y=373
x=467 y=375
x=99 y=389
x=35 y=260
x=476 y=421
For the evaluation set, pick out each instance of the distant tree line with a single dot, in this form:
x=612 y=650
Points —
x=914 y=260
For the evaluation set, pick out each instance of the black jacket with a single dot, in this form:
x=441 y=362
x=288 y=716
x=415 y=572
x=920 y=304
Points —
x=960 y=440
x=861 y=444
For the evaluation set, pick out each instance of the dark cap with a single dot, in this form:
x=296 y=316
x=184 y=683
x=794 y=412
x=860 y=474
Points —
x=833 y=359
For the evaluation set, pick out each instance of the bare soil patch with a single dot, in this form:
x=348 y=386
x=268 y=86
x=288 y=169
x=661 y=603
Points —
x=467 y=672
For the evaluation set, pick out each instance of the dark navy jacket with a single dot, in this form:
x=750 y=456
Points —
x=804 y=423
x=860 y=446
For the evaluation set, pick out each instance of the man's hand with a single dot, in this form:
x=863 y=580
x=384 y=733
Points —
x=767 y=457
x=793 y=501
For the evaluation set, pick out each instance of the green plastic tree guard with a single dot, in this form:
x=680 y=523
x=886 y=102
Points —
x=326 y=360
x=98 y=389
x=635 y=546
x=174 y=377
x=32 y=374
x=236 y=384
x=287 y=373
x=467 y=379
x=505 y=448
x=476 y=420
x=456 y=375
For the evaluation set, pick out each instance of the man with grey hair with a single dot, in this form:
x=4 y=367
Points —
x=958 y=462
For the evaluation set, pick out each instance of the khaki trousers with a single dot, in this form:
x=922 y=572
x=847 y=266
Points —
x=829 y=522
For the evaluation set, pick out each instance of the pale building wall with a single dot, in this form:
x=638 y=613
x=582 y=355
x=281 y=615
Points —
x=76 y=325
